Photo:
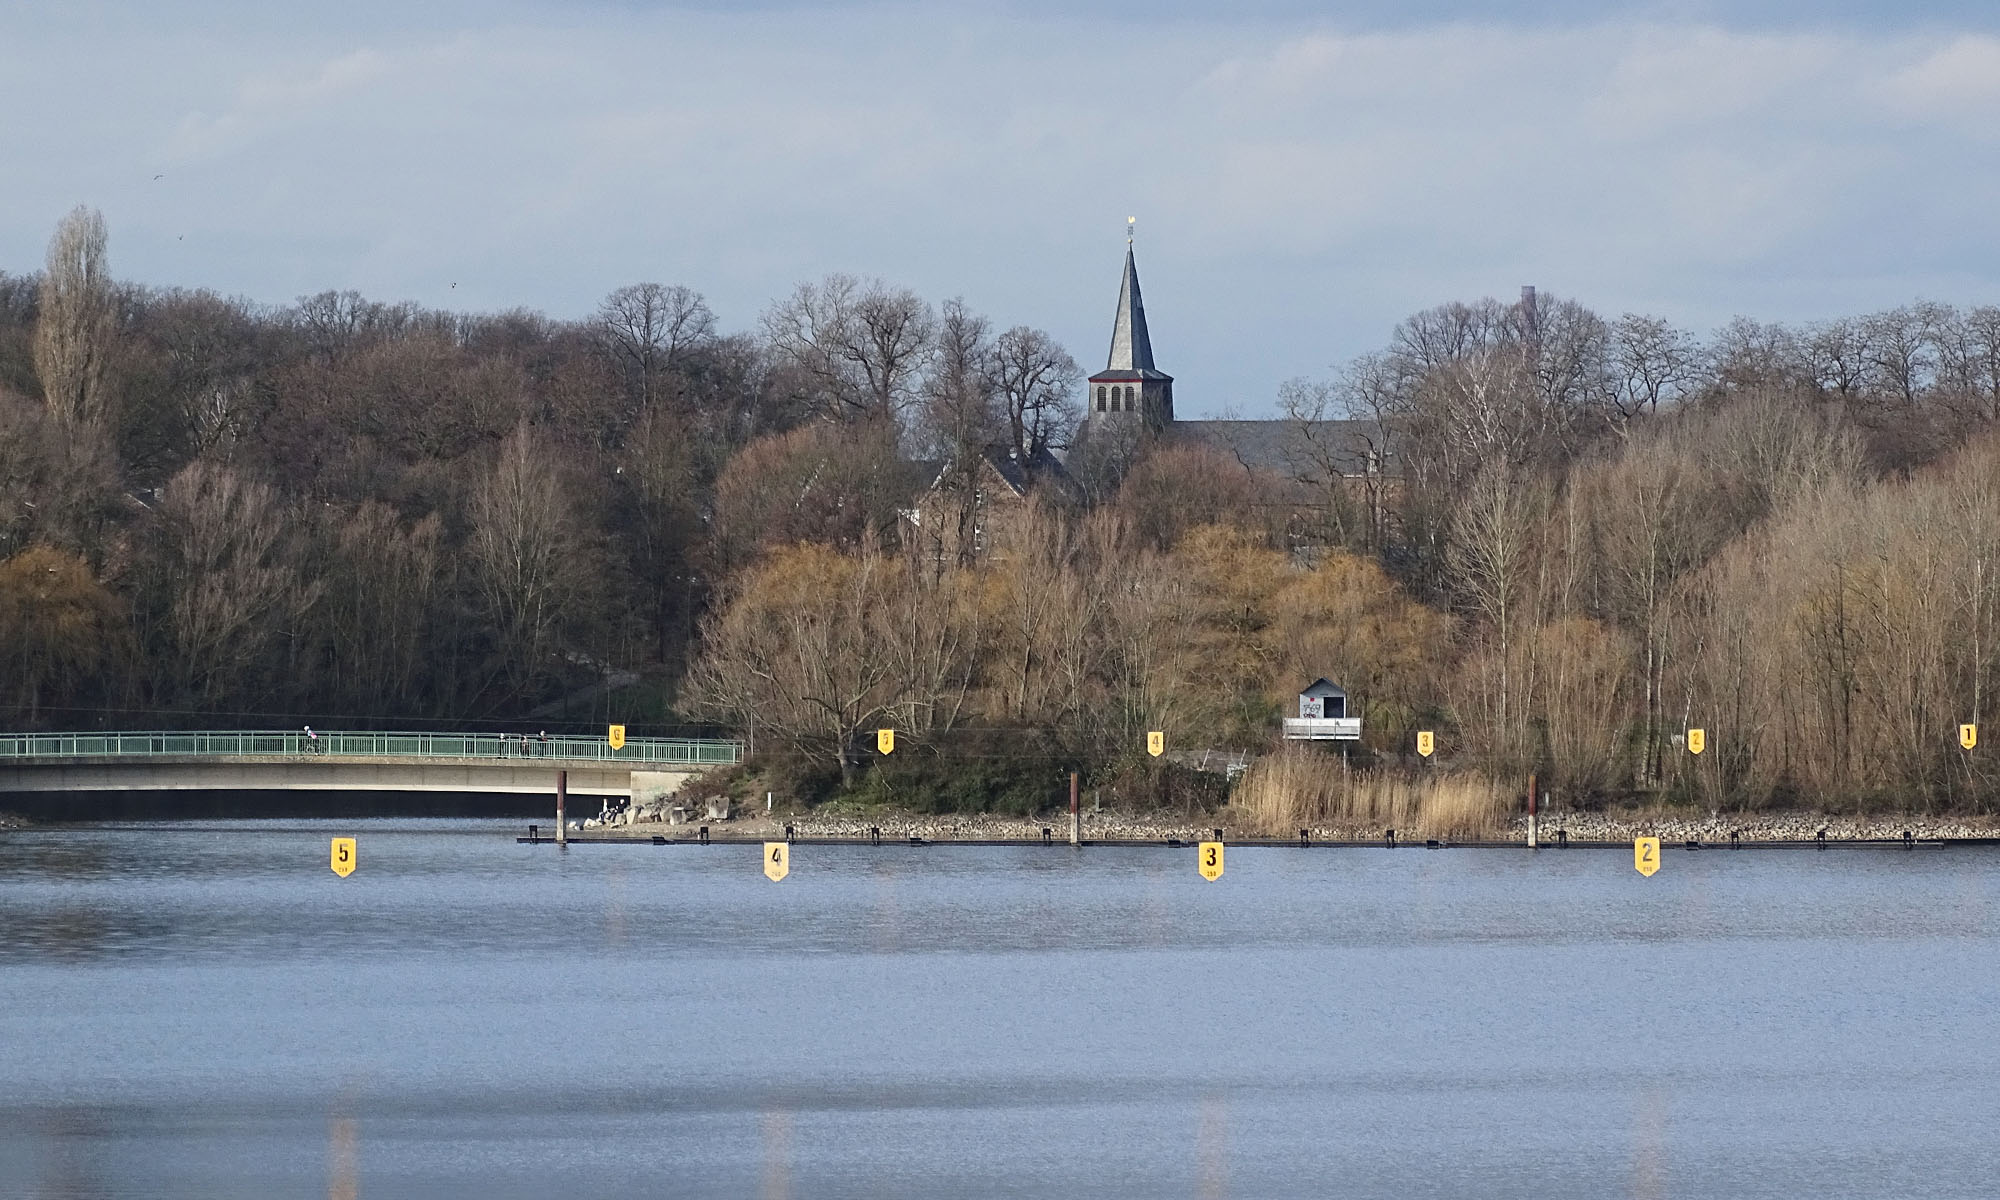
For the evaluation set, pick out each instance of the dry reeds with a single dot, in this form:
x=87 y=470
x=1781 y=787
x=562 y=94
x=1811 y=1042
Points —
x=1299 y=788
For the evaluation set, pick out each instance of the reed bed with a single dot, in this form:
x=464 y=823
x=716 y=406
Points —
x=1299 y=788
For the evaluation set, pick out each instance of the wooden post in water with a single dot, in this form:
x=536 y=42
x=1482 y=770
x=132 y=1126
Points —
x=1075 y=814
x=562 y=798
x=1532 y=840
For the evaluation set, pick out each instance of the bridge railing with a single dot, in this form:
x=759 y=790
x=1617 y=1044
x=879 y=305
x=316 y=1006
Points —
x=272 y=744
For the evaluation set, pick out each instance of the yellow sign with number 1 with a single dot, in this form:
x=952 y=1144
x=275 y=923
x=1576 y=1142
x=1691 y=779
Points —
x=1210 y=861
x=1968 y=736
x=1646 y=856
x=777 y=860
x=343 y=857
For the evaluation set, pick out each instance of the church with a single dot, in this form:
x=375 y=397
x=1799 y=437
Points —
x=1128 y=412
x=1132 y=396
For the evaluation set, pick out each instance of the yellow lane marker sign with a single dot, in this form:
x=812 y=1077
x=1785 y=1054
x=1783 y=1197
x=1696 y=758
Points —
x=1209 y=861
x=1968 y=736
x=885 y=740
x=343 y=857
x=777 y=860
x=1156 y=743
x=1646 y=856
x=1697 y=740
x=1426 y=743
x=616 y=737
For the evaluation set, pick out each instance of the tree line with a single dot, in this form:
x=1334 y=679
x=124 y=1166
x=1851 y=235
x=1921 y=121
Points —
x=1572 y=537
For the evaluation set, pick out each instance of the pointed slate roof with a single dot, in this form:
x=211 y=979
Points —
x=1131 y=346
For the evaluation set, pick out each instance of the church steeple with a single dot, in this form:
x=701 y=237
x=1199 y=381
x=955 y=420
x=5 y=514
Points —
x=1131 y=346
x=1130 y=387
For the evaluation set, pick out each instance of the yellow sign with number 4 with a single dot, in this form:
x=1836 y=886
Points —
x=777 y=860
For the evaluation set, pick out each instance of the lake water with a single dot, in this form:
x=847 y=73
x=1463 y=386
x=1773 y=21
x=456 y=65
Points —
x=205 y=1010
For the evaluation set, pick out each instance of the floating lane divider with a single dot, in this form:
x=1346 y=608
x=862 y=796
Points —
x=539 y=835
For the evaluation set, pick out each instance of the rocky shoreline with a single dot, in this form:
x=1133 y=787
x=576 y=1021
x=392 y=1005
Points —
x=1114 y=826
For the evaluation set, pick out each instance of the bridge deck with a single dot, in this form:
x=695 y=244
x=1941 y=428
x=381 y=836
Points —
x=163 y=747
x=252 y=760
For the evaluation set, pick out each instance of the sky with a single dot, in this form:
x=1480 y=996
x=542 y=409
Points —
x=1304 y=174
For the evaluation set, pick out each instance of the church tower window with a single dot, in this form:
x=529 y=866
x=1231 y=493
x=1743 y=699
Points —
x=1100 y=399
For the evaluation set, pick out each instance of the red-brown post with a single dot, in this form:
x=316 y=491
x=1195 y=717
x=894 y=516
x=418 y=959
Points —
x=562 y=797
x=1075 y=814
x=1533 y=840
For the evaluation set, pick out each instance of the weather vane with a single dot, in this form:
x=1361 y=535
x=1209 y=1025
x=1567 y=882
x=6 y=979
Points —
x=1129 y=223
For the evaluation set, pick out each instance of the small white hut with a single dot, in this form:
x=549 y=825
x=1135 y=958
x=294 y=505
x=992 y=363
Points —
x=1323 y=715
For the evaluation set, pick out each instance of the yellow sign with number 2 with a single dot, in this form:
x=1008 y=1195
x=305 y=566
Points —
x=1646 y=856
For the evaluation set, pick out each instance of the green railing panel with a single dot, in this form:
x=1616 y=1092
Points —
x=268 y=744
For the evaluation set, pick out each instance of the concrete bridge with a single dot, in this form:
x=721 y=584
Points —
x=245 y=760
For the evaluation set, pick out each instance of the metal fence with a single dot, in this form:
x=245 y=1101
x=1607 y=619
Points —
x=266 y=744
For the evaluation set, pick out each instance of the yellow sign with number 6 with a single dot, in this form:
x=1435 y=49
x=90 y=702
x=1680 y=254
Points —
x=343 y=857
x=1646 y=856
x=616 y=737
x=1210 y=861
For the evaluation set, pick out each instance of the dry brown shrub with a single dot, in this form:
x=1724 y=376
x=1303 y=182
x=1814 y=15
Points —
x=1300 y=788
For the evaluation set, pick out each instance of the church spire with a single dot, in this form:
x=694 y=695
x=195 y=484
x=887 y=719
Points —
x=1131 y=347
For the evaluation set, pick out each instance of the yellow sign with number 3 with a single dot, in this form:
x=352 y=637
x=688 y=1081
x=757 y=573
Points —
x=1210 y=861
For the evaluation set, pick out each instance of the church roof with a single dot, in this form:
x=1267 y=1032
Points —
x=1131 y=345
x=1290 y=447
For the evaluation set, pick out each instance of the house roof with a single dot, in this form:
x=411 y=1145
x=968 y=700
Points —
x=1321 y=687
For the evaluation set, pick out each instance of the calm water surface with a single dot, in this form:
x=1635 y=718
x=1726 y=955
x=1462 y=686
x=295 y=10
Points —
x=206 y=1010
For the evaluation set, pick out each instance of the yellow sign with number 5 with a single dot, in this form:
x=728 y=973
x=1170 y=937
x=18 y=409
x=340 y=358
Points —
x=343 y=857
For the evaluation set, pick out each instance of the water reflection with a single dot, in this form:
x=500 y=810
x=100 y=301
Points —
x=1212 y=1147
x=775 y=1126
x=342 y=1173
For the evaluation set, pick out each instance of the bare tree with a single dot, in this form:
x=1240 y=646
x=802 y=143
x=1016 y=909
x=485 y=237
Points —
x=522 y=544
x=231 y=583
x=1036 y=380
x=959 y=422
x=649 y=329
x=862 y=346
x=73 y=340
x=1653 y=362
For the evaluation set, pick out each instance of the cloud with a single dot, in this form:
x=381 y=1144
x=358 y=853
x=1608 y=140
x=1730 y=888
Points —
x=1299 y=186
